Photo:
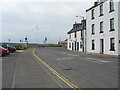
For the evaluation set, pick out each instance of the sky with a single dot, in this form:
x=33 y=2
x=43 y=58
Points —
x=54 y=18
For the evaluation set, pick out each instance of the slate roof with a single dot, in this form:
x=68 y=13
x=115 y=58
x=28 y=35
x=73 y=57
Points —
x=76 y=29
x=99 y=3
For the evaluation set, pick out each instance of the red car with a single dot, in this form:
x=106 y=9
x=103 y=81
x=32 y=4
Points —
x=3 y=51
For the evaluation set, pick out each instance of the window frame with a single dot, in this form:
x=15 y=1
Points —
x=112 y=44
x=69 y=36
x=101 y=27
x=69 y=45
x=93 y=29
x=112 y=25
x=111 y=5
x=75 y=34
x=93 y=14
x=101 y=10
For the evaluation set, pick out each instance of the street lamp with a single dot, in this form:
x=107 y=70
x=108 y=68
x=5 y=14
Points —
x=83 y=27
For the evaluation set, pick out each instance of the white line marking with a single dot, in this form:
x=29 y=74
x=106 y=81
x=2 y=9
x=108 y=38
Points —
x=20 y=51
x=14 y=78
x=73 y=55
x=98 y=60
x=67 y=58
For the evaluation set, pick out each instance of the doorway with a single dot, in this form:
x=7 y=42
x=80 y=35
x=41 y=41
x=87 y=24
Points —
x=101 y=46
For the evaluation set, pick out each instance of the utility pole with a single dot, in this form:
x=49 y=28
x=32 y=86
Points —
x=37 y=35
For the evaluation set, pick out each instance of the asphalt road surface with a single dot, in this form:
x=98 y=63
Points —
x=24 y=70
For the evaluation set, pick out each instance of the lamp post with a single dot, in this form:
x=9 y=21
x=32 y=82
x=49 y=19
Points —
x=37 y=35
x=82 y=31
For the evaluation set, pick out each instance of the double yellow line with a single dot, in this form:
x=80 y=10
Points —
x=55 y=72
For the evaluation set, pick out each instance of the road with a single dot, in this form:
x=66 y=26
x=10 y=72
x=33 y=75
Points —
x=24 y=70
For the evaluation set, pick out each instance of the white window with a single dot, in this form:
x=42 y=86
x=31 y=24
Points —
x=111 y=5
x=75 y=34
x=93 y=28
x=92 y=14
x=112 y=24
x=112 y=44
x=69 y=36
x=69 y=45
x=101 y=10
x=101 y=27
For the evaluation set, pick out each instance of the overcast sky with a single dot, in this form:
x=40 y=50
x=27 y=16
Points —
x=54 y=19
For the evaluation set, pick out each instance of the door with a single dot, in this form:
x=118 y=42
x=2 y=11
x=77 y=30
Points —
x=72 y=46
x=77 y=46
x=101 y=46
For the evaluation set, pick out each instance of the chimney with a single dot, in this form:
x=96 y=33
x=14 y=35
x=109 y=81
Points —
x=96 y=3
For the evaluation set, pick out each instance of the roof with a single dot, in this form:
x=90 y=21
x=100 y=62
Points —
x=99 y=3
x=76 y=29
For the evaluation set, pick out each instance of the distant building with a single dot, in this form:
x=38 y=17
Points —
x=76 y=37
x=63 y=43
x=103 y=27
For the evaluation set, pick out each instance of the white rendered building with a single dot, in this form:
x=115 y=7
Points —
x=103 y=27
x=76 y=37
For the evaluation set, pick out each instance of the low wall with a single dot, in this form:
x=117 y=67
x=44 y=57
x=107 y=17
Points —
x=23 y=44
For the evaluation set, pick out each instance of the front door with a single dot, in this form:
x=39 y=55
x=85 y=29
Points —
x=77 y=46
x=72 y=46
x=101 y=46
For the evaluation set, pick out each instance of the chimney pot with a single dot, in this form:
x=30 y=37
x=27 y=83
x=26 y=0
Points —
x=96 y=3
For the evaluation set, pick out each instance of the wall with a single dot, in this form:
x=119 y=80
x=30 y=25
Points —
x=119 y=28
x=107 y=34
x=23 y=44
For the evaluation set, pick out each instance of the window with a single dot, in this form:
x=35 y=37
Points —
x=70 y=36
x=101 y=27
x=69 y=45
x=112 y=44
x=81 y=45
x=112 y=24
x=101 y=10
x=81 y=34
x=92 y=14
x=93 y=44
x=93 y=28
x=75 y=34
x=111 y=5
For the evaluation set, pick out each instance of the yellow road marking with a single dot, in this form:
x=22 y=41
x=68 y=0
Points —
x=56 y=73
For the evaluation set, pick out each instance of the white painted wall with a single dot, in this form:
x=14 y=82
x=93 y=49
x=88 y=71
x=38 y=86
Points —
x=118 y=27
x=106 y=25
x=73 y=40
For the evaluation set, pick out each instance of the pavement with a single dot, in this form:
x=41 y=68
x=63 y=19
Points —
x=23 y=70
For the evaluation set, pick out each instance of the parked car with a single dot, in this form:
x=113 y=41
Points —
x=6 y=47
x=11 y=49
x=3 y=51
